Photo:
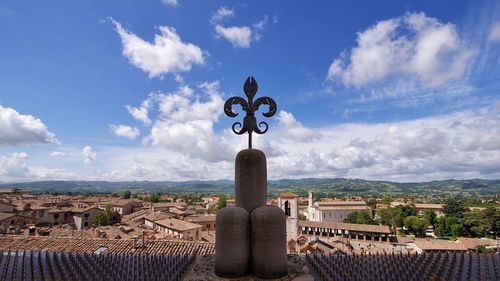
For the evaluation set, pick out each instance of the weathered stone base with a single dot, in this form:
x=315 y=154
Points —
x=203 y=269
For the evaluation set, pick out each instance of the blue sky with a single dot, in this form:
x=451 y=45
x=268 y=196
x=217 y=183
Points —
x=133 y=90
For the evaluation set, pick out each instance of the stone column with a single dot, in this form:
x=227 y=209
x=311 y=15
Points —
x=250 y=179
x=269 y=258
x=232 y=245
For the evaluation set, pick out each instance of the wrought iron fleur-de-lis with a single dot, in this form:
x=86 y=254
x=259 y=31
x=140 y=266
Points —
x=249 y=122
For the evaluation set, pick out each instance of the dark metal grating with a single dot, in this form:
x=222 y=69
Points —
x=395 y=267
x=84 y=266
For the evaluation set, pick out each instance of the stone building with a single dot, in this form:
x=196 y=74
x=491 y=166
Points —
x=84 y=217
x=207 y=221
x=123 y=206
x=180 y=229
x=6 y=207
x=165 y=207
x=334 y=211
x=151 y=219
x=9 y=220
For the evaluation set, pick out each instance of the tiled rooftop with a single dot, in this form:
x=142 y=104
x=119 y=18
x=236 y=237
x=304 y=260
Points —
x=74 y=245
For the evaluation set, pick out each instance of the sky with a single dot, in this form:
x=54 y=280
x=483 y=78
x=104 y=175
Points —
x=134 y=90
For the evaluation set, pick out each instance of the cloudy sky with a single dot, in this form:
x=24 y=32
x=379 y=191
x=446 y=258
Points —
x=134 y=90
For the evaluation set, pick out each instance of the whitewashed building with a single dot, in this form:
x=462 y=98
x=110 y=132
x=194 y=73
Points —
x=334 y=211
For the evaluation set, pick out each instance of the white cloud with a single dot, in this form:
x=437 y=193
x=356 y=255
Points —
x=125 y=131
x=57 y=154
x=168 y=54
x=461 y=145
x=89 y=155
x=258 y=28
x=294 y=129
x=495 y=32
x=221 y=14
x=141 y=113
x=238 y=36
x=413 y=45
x=173 y=3
x=14 y=167
x=186 y=120
x=18 y=129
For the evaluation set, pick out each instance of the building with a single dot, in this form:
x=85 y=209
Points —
x=206 y=221
x=334 y=211
x=365 y=232
x=10 y=220
x=122 y=207
x=60 y=216
x=180 y=229
x=165 y=207
x=289 y=203
x=151 y=219
x=6 y=207
x=437 y=208
x=84 y=217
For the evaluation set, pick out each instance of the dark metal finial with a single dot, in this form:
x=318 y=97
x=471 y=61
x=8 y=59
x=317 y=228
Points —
x=249 y=106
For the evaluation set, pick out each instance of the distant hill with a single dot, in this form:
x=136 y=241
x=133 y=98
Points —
x=301 y=186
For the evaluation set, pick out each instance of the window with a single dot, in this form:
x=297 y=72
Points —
x=56 y=216
x=324 y=215
x=12 y=222
x=287 y=208
x=85 y=224
x=208 y=225
x=86 y=215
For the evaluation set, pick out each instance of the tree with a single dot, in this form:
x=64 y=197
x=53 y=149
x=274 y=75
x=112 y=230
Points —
x=454 y=207
x=475 y=224
x=493 y=217
x=407 y=211
x=359 y=218
x=430 y=216
x=440 y=228
x=222 y=202
x=100 y=219
x=15 y=191
x=154 y=198
x=457 y=230
x=126 y=194
x=391 y=217
x=416 y=225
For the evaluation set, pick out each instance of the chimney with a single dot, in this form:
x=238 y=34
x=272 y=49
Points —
x=311 y=198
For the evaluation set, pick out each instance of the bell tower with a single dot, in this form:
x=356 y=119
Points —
x=289 y=203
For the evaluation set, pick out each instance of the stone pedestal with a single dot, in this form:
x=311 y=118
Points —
x=232 y=246
x=250 y=179
x=251 y=243
x=268 y=242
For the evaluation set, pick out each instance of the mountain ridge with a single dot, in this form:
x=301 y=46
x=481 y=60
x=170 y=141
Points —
x=335 y=185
